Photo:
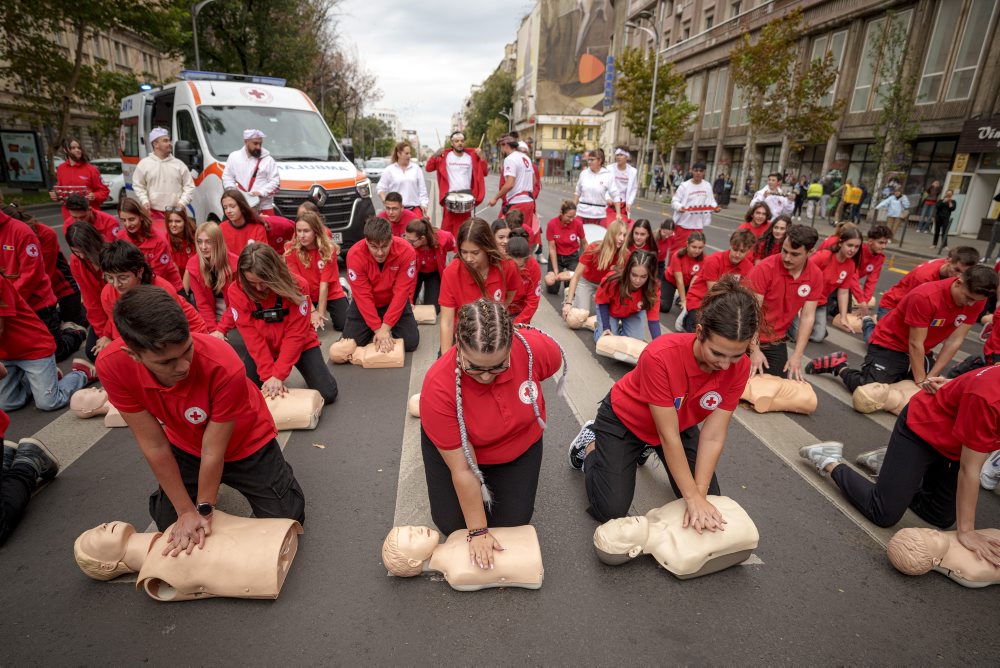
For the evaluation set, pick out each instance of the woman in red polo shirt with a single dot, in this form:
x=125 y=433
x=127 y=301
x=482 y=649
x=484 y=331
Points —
x=482 y=416
x=664 y=244
x=682 y=267
x=529 y=292
x=85 y=245
x=273 y=315
x=209 y=274
x=432 y=246
x=681 y=380
x=566 y=240
x=501 y=233
x=180 y=234
x=756 y=219
x=313 y=256
x=770 y=242
x=242 y=226
x=137 y=229
x=628 y=301
x=598 y=260
x=640 y=237
x=482 y=270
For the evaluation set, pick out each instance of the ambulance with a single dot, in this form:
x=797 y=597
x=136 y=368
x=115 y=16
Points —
x=206 y=114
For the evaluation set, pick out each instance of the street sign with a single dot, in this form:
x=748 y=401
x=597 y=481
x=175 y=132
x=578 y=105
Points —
x=609 y=83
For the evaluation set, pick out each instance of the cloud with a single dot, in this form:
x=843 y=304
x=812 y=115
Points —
x=427 y=53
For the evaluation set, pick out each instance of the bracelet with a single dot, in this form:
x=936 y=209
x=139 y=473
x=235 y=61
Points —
x=476 y=532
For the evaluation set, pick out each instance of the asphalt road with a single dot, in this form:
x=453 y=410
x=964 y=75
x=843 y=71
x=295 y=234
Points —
x=818 y=590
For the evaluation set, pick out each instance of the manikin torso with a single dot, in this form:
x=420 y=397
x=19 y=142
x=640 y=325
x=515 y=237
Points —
x=621 y=348
x=947 y=556
x=770 y=394
x=346 y=350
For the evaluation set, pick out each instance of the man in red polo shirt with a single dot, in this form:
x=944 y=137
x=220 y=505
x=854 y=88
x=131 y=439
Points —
x=397 y=216
x=79 y=210
x=216 y=427
x=958 y=260
x=936 y=312
x=785 y=284
x=382 y=272
x=715 y=267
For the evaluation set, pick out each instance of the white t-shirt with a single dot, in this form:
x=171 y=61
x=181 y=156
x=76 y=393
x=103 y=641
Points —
x=518 y=165
x=697 y=196
x=627 y=181
x=776 y=202
x=409 y=183
x=596 y=191
x=459 y=168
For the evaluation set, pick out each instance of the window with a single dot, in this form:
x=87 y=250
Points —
x=768 y=165
x=869 y=85
x=686 y=30
x=709 y=20
x=955 y=50
x=736 y=169
x=130 y=137
x=734 y=8
x=98 y=51
x=832 y=43
x=563 y=133
x=737 y=109
x=590 y=133
x=971 y=48
x=931 y=162
x=864 y=165
x=555 y=133
x=666 y=39
x=186 y=130
x=715 y=95
x=811 y=164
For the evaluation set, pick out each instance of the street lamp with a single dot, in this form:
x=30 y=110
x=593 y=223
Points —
x=510 y=121
x=195 y=8
x=632 y=25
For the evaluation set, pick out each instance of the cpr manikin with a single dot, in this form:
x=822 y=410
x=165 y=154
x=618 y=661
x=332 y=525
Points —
x=684 y=552
x=621 y=348
x=879 y=396
x=853 y=319
x=410 y=550
x=771 y=394
x=917 y=551
x=425 y=314
x=244 y=557
x=93 y=401
x=413 y=405
x=579 y=318
x=551 y=278
x=368 y=357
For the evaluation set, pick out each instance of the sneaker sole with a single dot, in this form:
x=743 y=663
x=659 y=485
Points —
x=44 y=448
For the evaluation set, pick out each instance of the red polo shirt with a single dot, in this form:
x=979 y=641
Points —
x=430 y=260
x=399 y=229
x=836 y=274
x=829 y=242
x=758 y=230
x=566 y=236
x=924 y=273
x=590 y=257
x=216 y=390
x=91 y=282
x=966 y=411
x=870 y=269
x=21 y=261
x=279 y=232
x=623 y=306
x=181 y=256
x=274 y=346
x=529 y=292
x=373 y=287
x=318 y=271
x=24 y=336
x=663 y=247
x=106 y=224
x=668 y=375
x=205 y=299
x=783 y=295
x=110 y=297
x=237 y=238
x=715 y=267
x=688 y=266
x=929 y=305
x=458 y=287
x=500 y=421
x=156 y=250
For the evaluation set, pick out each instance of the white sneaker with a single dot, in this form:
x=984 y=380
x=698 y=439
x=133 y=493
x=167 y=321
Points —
x=872 y=460
x=990 y=475
x=823 y=454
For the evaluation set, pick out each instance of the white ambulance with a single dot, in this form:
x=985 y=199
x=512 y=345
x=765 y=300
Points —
x=206 y=114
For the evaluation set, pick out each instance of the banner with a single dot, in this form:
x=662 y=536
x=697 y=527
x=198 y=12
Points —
x=22 y=158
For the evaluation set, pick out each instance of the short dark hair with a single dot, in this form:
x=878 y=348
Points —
x=148 y=318
x=77 y=202
x=120 y=255
x=980 y=280
x=742 y=239
x=879 y=232
x=775 y=175
x=517 y=247
x=966 y=255
x=394 y=197
x=378 y=230
x=802 y=236
x=514 y=217
x=456 y=132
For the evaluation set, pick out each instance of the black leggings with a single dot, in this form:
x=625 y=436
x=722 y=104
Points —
x=313 y=368
x=513 y=486
x=564 y=263
x=337 y=310
x=776 y=355
x=67 y=340
x=881 y=365
x=430 y=281
x=913 y=475
x=16 y=485
x=406 y=327
x=667 y=292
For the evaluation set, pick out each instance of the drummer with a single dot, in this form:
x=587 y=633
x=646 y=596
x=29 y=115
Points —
x=461 y=177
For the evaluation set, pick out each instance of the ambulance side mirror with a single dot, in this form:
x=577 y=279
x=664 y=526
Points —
x=188 y=154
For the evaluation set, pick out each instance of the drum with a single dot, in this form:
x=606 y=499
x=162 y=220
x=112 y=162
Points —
x=459 y=202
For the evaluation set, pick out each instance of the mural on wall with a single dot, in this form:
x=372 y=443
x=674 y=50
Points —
x=574 y=40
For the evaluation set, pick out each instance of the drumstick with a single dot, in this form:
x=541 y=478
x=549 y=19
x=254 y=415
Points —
x=440 y=145
x=481 y=141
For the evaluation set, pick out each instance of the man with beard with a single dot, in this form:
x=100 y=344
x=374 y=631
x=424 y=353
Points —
x=252 y=170
x=160 y=180
x=458 y=171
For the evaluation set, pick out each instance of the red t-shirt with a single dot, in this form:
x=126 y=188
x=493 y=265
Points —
x=870 y=269
x=91 y=282
x=500 y=421
x=663 y=247
x=24 y=336
x=590 y=257
x=110 y=297
x=783 y=295
x=205 y=299
x=829 y=242
x=566 y=236
x=21 y=262
x=623 y=306
x=668 y=375
x=156 y=250
x=688 y=266
x=106 y=224
x=399 y=229
x=280 y=231
x=49 y=241
x=529 y=292
x=237 y=238
x=317 y=272
x=924 y=273
x=965 y=411
x=274 y=346
x=929 y=305
x=758 y=231
x=715 y=267
x=430 y=260
x=458 y=287
x=373 y=287
x=216 y=390
x=836 y=274
x=181 y=256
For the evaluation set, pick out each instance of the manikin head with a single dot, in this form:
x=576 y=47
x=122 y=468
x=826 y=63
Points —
x=916 y=551
x=88 y=402
x=621 y=539
x=253 y=141
x=406 y=548
x=100 y=552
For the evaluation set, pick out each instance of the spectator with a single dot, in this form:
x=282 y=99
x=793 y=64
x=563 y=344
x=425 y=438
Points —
x=928 y=202
x=693 y=204
x=897 y=208
x=597 y=191
x=79 y=177
x=942 y=220
x=406 y=178
x=161 y=180
x=137 y=229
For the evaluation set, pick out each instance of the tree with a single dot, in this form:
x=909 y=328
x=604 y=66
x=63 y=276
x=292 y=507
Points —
x=486 y=104
x=342 y=87
x=807 y=120
x=575 y=134
x=372 y=137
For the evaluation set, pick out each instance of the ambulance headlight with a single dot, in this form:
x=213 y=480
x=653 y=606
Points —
x=365 y=189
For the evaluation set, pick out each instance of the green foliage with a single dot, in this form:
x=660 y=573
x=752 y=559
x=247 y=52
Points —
x=806 y=120
x=575 y=134
x=895 y=128
x=485 y=106
x=372 y=138
x=673 y=113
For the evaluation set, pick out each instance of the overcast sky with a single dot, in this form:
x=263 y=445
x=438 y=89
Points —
x=427 y=53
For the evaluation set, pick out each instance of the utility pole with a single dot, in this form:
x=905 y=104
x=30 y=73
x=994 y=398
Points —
x=655 y=34
x=195 y=8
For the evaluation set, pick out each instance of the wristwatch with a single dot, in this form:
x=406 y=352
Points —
x=205 y=509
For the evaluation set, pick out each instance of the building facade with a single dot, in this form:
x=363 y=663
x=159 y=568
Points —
x=391 y=120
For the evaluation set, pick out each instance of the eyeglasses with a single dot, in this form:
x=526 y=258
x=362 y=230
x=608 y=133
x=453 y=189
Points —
x=119 y=279
x=473 y=370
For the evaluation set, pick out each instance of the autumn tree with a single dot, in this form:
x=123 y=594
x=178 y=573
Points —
x=485 y=106
x=372 y=137
x=575 y=137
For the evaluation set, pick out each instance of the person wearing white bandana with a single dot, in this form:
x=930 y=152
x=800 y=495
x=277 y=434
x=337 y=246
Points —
x=161 y=181
x=627 y=180
x=253 y=171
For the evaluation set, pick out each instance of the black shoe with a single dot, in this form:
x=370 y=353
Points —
x=646 y=454
x=831 y=363
x=9 y=452
x=37 y=456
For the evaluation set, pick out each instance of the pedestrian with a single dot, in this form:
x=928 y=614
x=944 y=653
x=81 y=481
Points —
x=481 y=271
x=628 y=300
x=771 y=194
x=518 y=176
x=681 y=270
x=406 y=178
x=771 y=241
x=273 y=315
x=733 y=262
x=757 y=219
x=659 y=181
x=180 y=235
x=942 y=220
x=814 y=193
x=482 y=421
x=161 y=180
x=252 y=170
x=77 y=176
x=398 y=217
x=862 y=198
x=799 y=189
x=929 y=200
x=432 y=247
x=680 y=382
x=627 y=181
x=241 y=226
x=828 y=190
x=597 y=192
x=198 y=420
x=719 y=187
x=727 y=191
x=137 y=229
x=313 y=256
x=85 y=245
x=896 y=208
x=382 y=273
x=566 y=240
x=210 y=273
x=693 y=204
x=597 y=261
x=77 y=209
x=640 y=237
x=26 y=465
x=787 y=285
x=458 y=171
x=525 y=303
x=839 y=265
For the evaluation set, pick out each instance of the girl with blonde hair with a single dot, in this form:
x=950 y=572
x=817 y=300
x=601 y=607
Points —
x=209 y=273
x=600 y=259
x=313 y=256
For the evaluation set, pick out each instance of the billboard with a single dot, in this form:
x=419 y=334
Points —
x=22 y=157
x=574 y=44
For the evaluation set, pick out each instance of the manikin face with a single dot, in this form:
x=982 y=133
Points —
x=639 y=236
x=850 y=248
x=170 y=365
x=502 y=236
x=484 y=367
x=231 y=211
x=637 y=277
x=379 y=251
x=75 y=151
x=393 y=211
x=717 y=353
x=305 y=234
x=759 y=217
x=736 y=255
x=107 y=541
x=794 y=259
x=695 y=248
x=474 y=256
x=205 y=246
x=415 y=240
x=877 y=246
x=175 y=224
x=123 y=281
x=417 y=543
x=254 y=146
x=778 y=229
x=458 y=142
x=624 y=535
x=131 y=222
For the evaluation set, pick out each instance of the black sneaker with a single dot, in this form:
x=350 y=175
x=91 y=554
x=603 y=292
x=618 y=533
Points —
x=9 y=452
x=646 y=454
x=578 y=448
x=831 y=363
x=34 y=453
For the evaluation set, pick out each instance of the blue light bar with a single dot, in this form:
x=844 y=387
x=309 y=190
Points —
x=196 y=75
x=145 y=86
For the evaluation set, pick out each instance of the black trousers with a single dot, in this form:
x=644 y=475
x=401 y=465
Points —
x=667 y=292
x=611 y=465
x=264 y=478
x=337 y=310
x=563 y=263
x=67 y=340
x=16 y=485
x=71 y=309
x=776 y=355
x=311 y=365
x=406 y=327
x=881 y=365
x=941 y=231
x=913 y=475
x=430 y=281
x=690 y=321
x=513 y=486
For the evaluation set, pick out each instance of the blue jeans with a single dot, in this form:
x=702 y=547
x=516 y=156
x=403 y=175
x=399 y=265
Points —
x=868 y=326
x=819 y=331
x=634 y=326
x=926 y=217
x=27 y=379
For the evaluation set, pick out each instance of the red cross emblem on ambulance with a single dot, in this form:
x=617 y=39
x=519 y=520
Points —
x=253 y=92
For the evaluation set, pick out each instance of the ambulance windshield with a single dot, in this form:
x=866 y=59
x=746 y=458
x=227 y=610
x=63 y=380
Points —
x=292 y=135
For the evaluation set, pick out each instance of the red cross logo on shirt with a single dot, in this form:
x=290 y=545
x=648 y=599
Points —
x=711 y=401
x=195 y=415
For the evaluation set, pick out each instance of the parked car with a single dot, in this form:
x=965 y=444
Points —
x=111 y=174
x=374 y=168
